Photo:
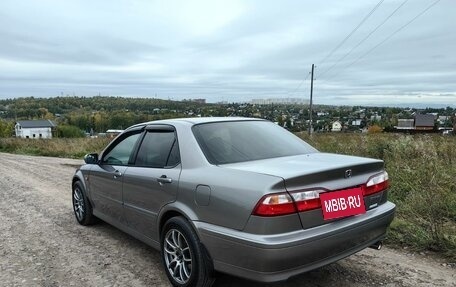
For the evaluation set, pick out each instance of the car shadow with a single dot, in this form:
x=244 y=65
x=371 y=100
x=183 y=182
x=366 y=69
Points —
x=320 y=277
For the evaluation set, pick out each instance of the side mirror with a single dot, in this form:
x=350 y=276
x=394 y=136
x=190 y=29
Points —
x=91 y=158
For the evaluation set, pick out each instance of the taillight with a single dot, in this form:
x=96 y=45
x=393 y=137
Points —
x=275 y=204
x=376 y=183
x=282 y=203
x=307 y=200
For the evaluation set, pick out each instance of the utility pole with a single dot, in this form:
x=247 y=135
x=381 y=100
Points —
x=311 y=93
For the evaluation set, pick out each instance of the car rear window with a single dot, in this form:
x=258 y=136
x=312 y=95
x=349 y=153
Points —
x=239 y=141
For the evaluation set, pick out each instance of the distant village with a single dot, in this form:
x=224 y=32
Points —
x=294 y=114
x=290 y=113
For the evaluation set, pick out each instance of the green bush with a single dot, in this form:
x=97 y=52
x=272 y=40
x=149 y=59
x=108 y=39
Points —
x=6 y=128
x=69 y=131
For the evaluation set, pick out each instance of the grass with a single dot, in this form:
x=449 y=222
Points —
x=422 y=171
x=57 y=147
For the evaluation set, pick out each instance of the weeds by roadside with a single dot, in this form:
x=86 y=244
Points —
x=58 y=147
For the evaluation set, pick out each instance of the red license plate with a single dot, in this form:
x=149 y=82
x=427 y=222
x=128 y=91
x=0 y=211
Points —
x=342 y=203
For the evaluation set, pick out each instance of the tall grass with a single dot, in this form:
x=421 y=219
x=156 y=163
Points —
x=58 y=147
x=422 y=171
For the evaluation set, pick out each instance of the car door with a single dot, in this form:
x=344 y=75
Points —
x=105 y=179
x=153 y=180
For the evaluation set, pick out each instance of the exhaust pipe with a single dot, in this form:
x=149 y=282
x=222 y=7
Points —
x=377 y=245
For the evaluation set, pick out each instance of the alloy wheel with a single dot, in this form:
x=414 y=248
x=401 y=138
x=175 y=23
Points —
x=78 y=204
x=178 y=256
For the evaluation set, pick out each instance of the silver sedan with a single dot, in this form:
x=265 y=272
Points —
x=234 y=195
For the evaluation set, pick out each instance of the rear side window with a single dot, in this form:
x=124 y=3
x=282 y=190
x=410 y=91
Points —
x=239 y=141
x=158 y=149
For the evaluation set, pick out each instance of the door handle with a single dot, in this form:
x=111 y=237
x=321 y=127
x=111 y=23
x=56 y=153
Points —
x=163 y=179
x=117 y=174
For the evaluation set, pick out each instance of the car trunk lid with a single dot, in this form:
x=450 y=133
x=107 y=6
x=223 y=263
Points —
x=315 y=170
x=318 y=171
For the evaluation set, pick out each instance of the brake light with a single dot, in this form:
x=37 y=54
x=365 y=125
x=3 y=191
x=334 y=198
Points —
x=283 y=203
x=307 y=200
x=275 y=204
x=376 y=183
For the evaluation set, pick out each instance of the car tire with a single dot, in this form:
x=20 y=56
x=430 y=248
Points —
x=81 y=205
x=186 y=261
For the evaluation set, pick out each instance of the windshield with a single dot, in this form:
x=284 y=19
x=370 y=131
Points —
x=238 y=141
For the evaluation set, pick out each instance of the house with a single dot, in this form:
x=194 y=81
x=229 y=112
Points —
x=336 y=126
x=424 y=122
x=356 y=122
x=39 y=129
x=443 y=119
x=405 y=124
x=376 y=117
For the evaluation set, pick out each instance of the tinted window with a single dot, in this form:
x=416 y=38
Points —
x=121 y=152
x=174 y=157
x=157 y=150
x=230 y=142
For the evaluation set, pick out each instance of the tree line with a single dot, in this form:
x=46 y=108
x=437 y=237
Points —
x=76 y=116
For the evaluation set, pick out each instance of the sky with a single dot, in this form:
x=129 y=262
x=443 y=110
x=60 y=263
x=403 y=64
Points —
x=232 y=51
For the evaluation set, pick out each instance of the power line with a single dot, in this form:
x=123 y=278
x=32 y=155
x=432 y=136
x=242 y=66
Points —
x=342 y=42
x=351 y=33
x=300 y=84
x=387 y=38
x=364 y=39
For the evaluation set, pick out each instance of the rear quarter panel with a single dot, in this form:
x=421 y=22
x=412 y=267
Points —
x=233 y=194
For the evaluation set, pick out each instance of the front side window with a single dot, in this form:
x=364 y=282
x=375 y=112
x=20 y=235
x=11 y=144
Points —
x=158 y=149
x=239 y=141
x=121 y=152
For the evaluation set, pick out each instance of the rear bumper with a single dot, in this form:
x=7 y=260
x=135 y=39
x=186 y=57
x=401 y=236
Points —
x=270 y=258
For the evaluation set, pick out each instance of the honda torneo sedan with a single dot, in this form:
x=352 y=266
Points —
x=234 y=195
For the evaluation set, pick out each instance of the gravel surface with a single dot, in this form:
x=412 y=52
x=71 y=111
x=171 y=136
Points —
x=41 y=243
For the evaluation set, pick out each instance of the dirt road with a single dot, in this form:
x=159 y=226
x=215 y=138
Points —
x=42 y=245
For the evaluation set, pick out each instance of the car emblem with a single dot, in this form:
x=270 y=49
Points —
x=348 y=173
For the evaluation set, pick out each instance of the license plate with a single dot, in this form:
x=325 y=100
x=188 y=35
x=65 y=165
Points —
x=342 y=203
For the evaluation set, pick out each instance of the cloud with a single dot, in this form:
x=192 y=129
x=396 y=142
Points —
x=227 y=50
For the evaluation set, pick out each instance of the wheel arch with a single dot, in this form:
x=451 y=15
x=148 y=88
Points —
x=176 y=209
x=75 y=179
x=79 y=177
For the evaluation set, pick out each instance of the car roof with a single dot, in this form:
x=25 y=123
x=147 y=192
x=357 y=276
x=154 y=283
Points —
x=199 y=120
